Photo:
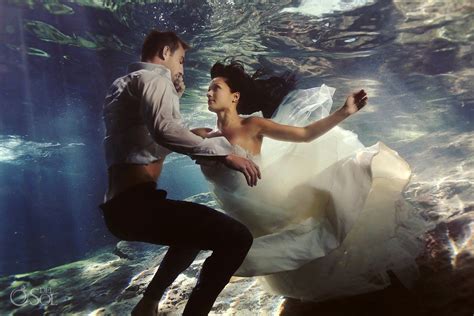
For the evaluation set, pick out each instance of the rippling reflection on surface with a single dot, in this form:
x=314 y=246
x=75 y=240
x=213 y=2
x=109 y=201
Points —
x=414 y=58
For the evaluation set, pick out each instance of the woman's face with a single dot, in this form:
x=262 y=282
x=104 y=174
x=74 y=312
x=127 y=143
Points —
x=219 y=96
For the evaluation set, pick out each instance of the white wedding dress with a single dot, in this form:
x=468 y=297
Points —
x=327 y=216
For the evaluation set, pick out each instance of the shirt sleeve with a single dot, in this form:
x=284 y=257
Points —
x=159 y=104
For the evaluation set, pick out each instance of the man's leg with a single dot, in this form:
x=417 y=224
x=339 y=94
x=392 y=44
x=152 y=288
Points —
x=219 y=268
x=194 y=226
x=176 y=260
x=185 y=225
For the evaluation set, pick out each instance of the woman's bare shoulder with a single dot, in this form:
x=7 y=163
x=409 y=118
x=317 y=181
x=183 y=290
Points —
x=254 y=124
x=254 y=120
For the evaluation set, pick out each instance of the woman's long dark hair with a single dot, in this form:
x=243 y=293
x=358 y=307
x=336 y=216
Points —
x=256 y=93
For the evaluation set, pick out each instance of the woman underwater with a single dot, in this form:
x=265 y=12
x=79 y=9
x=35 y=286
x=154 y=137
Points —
x=326 y=217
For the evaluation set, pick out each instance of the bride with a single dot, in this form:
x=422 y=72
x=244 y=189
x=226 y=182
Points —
x=326 y=217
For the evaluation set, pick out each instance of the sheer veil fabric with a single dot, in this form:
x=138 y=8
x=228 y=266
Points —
x=327 y=217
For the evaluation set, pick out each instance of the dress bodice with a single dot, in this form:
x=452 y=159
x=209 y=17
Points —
x=242 y=152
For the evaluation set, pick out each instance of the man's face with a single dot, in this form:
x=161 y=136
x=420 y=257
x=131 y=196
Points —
x=174 y=62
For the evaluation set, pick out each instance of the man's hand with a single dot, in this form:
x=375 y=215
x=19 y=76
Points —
x=355 y=102
x=247 y=167
x=179 y=85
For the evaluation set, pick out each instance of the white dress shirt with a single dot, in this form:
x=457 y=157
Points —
x=143 y=123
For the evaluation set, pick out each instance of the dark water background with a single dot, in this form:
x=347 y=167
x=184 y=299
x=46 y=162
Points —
x=58 y=58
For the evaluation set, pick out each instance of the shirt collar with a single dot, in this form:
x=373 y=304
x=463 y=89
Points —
x=162 y=70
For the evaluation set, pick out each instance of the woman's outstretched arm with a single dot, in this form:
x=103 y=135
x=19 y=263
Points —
x=268 y=128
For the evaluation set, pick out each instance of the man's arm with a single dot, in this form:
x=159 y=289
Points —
x=248 y=168
x=159 y=104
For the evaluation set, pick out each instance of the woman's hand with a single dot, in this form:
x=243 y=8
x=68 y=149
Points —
x=216 y=133
x=355 y=102
x=202 y=131
x=205 y=132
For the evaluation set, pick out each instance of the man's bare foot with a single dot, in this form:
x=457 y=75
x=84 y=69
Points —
x=146 y=307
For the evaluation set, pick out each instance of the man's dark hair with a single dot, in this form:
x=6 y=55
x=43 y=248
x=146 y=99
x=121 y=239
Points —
x=155 y=41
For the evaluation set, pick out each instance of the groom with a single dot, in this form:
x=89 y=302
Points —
x=143 y=124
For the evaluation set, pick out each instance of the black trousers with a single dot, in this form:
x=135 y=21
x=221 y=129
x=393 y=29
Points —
x=143 y=213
